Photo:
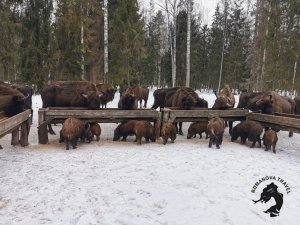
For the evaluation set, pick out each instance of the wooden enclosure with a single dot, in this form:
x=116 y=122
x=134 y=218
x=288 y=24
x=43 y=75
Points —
x=58 y=115
x=176 y=115
x=18 y=126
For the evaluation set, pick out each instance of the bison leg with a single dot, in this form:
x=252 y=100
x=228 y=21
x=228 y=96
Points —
x=274 y=150
x=1 y=147
x=51 y=131
x=180 y=129
x=145 y=103
x=67 y=144
x=253 y=144
x=210 y=142
x=230 y=127
x=74 y=143
x=98 y=137
x=165 y=140
x=139 y=140
x=259 y=141
x=290 y=134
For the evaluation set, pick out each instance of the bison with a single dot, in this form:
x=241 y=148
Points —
x=141 y=93
x=128 y=101
x=168 y=131
x=225 y=100
x=73 y=129
x=71 y=94
x=124 y=130
x=248 y=129
x=144 y=129
x=270 y=139
x=95 y=130
x=215 y=129
x=12 y=101
x=248 y=100
x=197 y=128
x=108 y=93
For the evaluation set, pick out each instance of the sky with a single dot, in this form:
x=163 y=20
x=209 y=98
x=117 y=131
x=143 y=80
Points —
x=205 y=7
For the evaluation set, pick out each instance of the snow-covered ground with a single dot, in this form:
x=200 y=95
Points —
x=107 y=182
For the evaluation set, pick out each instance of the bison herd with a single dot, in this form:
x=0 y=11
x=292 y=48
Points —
x=15 y=98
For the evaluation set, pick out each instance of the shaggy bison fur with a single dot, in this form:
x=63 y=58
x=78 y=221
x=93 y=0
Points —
x=124 y=130
x=248 y=129
x=197 y=128
x=96 y=131
x=128 y=101
x=168 y=131
x=73 y=129
x=270 y=139
x=144 y=129
x=215 y=129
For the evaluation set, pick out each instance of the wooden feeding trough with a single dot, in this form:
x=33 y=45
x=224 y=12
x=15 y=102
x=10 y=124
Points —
x=18 y=126
x=177 y=115
x=58 y=115
x=281 y=121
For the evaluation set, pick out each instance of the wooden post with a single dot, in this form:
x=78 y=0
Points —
x=15 y=136
x=157 y=126
x=42 y=129
x=25 y=128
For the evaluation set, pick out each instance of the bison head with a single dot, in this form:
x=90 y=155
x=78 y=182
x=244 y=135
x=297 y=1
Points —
x=15 y=105
x=265 y=104
x=187 y=102
x=222 y=103
x=92 y=99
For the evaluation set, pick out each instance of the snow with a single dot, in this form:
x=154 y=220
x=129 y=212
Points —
x=110 y=182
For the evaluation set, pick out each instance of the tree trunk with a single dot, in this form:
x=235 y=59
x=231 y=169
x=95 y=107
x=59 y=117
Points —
x=188 y=44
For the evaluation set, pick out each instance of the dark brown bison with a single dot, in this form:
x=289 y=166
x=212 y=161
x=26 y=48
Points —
x=141 y=94
x=124 y=130
x=248 y=100
x=271 y=102
x=225 y=100
x=144 y=129
x=73 y=129
x=71 y=94
x=128 y=101
x=215 y=129
x=270 y=139
x=95 y=130
x=108 y=93
x=161 y=95
x=197 y=128
x=168 y=131
x=248 y=129
x=12 y=101
x=297 y=105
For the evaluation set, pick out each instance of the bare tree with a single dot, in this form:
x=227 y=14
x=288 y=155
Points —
x=188 y=44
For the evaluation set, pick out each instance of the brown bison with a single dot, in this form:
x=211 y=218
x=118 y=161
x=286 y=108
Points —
x=73 y=129
x=197 y=128
x=128 y=101
x=12 y=101
x=248 y=129
x=161 y=95
x=95 y=130
x=108 y=93
x=225 y=100
x=248 y=100
x=71 y=94
x=141 y=94
x=168 y=131
x=297 y=105
x=215 y=129
x=271 y=102
x=124 y=130
x=270 y=139
x=144 y=129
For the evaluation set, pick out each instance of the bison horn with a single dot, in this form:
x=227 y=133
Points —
x=258 y=102
x=84 y=95
x=229 y=105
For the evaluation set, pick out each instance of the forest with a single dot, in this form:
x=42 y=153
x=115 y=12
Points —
x=253 y=45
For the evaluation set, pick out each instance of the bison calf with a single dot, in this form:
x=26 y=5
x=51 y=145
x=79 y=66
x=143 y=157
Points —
x=197 y=128
x=168 y=131
x=215 y=129
x=270 y=139
x=144 y=129
x=95 y=130
x=247 y=129
x=124 y=130
x=73 y=129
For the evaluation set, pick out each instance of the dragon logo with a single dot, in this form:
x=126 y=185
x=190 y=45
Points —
x=267 y=193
